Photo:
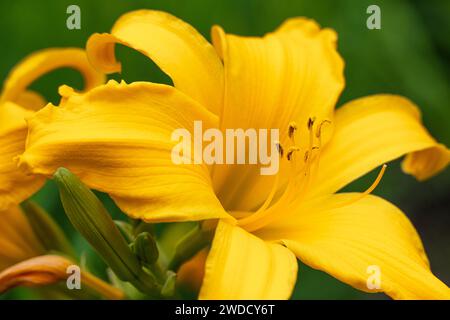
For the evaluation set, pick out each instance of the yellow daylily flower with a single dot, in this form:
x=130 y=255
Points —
x=16 y=104
x=21 y=254
x=117 y=139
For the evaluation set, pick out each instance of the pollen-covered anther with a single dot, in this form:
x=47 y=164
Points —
x=291 y=151
x=307 y=155
x=280 y=149
x=311 y=122
x=291 y=129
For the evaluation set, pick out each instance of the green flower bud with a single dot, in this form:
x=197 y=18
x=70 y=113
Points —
x=91 y=219
x=144 y=247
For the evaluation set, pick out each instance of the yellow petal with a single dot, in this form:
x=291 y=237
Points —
x=374 y=130
x=117 y=139
x=289 y=75
x=44 y=61
x=425 y=163
x=242 y=266
x=176 y=47
x=350 y=240
x=15 y=186
x=17 y=240
x=49 y=269
x=31 y=100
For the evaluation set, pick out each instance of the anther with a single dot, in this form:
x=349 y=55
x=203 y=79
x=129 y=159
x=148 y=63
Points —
x=307 y=153
x=292 y=128
x=291 y=150
x=311 y=122
x=280 y=149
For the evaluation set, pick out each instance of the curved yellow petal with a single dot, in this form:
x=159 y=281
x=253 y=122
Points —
x=357 y=242
x=242 y=266
x=425 y=163
x=117 y=139
x=44 y=61
x=41 y=270
x=31 y=100
x=15 y=186
x=176 y=47
x=49 y=269
x=17 y=239
x=292 y=74
x=371 y=131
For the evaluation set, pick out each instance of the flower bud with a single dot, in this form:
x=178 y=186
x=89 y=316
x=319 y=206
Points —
x=144 y=247
x=91 y=219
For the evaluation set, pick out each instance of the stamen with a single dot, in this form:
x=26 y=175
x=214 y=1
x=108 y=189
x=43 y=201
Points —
x=310 y=148
x=319 y=138
x=264 y=214
x=291 y=129
x=261 y=211
x=319 y=128
x=311 y=122
x=271 y=195
x=296 y=186
x=306 y=157
x=280 y=149
x=291 y=151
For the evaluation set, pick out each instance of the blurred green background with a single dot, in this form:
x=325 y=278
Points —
x=410 y=56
